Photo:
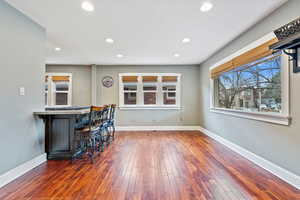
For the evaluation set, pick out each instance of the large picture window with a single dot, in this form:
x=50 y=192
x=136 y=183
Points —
x=253 y=87
x=257 y=90
x=149 y=90
x=58 y=88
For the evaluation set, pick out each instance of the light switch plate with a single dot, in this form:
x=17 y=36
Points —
x=22 y=91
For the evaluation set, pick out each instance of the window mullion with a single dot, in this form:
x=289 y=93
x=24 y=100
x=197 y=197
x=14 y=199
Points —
x=69 y=100
x=48 y=91
x=178 y=91
x=159 y=91
x=121 y=88
x=140 y=93
x=52 y=92
x=216 y=92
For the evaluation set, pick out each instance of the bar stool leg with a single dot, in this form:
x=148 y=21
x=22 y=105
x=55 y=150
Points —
x=114 y=130
x=90 y=149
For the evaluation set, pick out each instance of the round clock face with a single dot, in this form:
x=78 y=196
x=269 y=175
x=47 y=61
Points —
x=107 y=81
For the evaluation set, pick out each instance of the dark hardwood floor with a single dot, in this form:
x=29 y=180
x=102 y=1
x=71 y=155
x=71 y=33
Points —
x=153 y=165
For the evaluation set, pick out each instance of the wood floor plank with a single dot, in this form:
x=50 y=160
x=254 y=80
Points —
x=153 y=165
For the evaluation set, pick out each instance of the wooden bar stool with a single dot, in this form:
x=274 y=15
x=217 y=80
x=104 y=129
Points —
x=104 y=125
x=89 y=136
x=111 y=121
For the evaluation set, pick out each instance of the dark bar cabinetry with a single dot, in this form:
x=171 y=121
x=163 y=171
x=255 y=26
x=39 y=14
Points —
x=59 y=131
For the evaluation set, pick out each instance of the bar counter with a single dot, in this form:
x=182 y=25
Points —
x=59 y=130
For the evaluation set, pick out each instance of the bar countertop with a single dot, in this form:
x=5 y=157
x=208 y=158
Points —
x=77 y=110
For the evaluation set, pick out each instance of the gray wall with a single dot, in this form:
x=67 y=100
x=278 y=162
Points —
x=22 y=64
x=276 y=143
x=81 y=81
x=189 y=115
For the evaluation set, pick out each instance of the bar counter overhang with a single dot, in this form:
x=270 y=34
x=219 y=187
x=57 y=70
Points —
x=59 y=130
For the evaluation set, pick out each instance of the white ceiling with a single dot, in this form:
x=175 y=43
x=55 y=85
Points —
x=145 y=31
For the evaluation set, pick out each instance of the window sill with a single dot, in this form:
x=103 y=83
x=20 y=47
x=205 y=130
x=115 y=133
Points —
x=266 y=117
x=150 y=108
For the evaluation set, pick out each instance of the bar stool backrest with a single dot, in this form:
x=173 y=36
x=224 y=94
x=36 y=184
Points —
x=82 y=121
x=95 y=118
x=105 y=114
x=112 y=112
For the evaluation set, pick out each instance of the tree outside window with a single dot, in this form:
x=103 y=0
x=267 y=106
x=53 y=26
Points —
x=252 y=87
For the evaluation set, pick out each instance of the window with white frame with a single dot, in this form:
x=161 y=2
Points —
x=58 y=89
x=149 y=90
x=257 y=90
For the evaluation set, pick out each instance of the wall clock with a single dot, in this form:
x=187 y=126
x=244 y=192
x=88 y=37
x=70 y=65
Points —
x=107 y=81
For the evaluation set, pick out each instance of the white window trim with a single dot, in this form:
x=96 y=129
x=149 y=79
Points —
x=283 y=117
x=159 y=100
x=51 y=89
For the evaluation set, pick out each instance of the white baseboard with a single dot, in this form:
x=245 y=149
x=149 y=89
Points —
x=21 y=169
x=278 y=171
x=157 y=128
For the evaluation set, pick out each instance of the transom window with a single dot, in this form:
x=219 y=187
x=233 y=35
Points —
x=58 y=87
x=149 y=90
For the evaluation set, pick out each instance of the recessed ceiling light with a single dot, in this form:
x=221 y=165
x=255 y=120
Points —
x=206 y=6
x=186 y=40
x=87 y=6
x=57 y=49
x=120 y=55
x=176 y=55
x=109 y=40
